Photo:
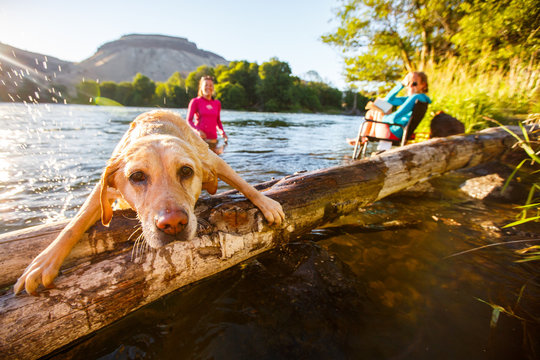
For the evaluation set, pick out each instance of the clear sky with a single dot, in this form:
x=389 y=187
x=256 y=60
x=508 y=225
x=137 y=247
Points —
x=252 y=30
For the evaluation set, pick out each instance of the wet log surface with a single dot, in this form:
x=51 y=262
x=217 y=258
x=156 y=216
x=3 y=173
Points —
x=104 y=280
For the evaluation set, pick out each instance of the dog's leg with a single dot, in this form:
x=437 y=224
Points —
x=44 y=268
x=271 y=209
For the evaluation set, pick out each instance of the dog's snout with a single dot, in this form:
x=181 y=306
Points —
x=171 y=222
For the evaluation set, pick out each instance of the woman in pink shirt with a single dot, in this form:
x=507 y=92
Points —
x=204 y=113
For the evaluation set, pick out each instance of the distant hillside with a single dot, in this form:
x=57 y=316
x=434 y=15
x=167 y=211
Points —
x=19 y=66
x=155 y=56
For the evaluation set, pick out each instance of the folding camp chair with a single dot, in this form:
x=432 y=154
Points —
x=419 y=110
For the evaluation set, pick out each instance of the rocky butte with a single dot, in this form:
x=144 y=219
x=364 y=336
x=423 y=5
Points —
x=156 y=56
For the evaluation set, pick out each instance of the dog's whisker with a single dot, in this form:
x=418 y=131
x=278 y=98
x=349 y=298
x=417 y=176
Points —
x=138 y=228
x=142 y=244
x=135 y=252
x=203 y=225
x=135 y=243
x=202 y=221
x=146 y=246
x=136 y=246
x=136 y=217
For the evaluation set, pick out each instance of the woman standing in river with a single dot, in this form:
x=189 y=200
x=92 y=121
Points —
x=204 y=114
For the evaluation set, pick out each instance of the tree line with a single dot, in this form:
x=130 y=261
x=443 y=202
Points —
x=241 y=85
x=383 y=39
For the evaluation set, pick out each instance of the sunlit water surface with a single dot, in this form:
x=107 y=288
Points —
x=347 y=292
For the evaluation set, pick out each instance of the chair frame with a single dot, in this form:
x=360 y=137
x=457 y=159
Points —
x=418 y=113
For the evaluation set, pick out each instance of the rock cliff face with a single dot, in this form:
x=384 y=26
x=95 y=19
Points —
x=156 y=56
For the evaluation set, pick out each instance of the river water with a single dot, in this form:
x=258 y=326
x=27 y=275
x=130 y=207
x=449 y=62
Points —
x=386 y=291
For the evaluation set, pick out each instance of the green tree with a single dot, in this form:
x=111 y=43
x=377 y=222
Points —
x=161 y=98
x=232 y=96
x=124 y=93
x=382 y=39
x=305 y=97
x=509 y=29
x=328 y=96
x=172 y=93
x=58 y=93
x=28 y=90
x=274 y=87
x=219 y=70
x=143 y=90
x=176 y=90
x=87 y=91
x=243 y=73
x=107 y=89
x=354 y=101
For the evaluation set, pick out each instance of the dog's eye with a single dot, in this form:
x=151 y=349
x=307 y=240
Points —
x=138 y=177
x=185 y=172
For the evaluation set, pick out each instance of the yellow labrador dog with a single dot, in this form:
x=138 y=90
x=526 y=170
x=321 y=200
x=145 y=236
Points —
x=159 y=169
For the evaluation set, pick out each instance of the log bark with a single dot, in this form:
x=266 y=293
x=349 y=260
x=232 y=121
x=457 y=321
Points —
x=102 y=281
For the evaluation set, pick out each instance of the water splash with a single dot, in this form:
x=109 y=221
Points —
x=28 y=82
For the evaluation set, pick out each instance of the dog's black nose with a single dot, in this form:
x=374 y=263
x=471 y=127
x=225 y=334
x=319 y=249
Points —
x=171 y=222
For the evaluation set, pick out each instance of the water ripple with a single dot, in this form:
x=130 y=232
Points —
x=51 y=155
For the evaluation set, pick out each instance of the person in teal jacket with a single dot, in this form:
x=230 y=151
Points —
x=416 y=84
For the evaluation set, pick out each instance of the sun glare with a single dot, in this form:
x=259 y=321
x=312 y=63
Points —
x=6 y=153
x=4 y=169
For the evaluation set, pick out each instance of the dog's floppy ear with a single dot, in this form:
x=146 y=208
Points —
x=209 y=171
x=210 y=179
x=106 y=181
x=209 y=176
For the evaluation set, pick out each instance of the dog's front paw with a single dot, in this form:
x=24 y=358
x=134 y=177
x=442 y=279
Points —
x=271 y=209
x=42 y=270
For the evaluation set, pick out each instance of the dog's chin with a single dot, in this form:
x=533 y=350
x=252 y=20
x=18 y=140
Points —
x=156 y=238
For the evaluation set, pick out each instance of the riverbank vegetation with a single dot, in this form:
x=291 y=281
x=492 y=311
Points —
x=481 y=57
x=239 y=86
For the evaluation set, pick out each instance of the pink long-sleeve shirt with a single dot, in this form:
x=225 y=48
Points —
x=204 y=115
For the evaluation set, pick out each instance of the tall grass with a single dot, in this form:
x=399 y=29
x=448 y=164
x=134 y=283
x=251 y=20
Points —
x=529 y=143
x=470 y=92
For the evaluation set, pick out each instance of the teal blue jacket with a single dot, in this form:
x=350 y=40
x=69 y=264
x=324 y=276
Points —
x=403 y=114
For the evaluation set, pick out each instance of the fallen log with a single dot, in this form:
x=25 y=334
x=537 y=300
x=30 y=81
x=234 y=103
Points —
x=103 y=280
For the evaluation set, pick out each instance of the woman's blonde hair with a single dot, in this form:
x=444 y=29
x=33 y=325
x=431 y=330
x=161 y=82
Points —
x=201 y=81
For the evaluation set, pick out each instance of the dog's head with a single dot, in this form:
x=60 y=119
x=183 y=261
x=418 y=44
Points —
x=161 y=178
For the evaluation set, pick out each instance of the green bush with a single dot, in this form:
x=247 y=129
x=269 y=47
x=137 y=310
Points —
x=232 y=96
x=471 y=92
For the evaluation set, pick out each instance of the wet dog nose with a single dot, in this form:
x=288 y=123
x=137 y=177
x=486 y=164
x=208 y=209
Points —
x=171 y=222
